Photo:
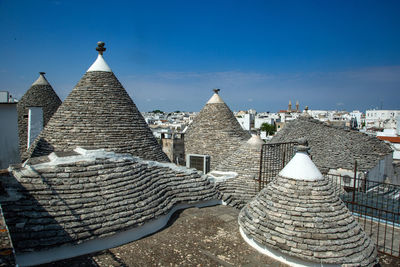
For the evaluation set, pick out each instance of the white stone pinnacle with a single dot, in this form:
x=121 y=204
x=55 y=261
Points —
x=255 y=140
x=301 y=167
x=41 y=80
x=215 y=99
x=100 y=65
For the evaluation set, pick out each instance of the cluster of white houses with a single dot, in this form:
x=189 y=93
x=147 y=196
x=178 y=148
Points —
x=95 y=177
x=372 y=121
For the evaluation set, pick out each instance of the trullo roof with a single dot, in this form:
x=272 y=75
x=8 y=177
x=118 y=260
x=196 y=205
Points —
x=215 y=132
x=99 y=113
x=245 y=161
x=40 y=94
x=298 y=219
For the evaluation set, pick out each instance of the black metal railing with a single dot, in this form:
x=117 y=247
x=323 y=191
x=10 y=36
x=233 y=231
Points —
x=376 y=206
x=273 y=157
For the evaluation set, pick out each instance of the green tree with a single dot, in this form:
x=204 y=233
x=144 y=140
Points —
x=266 y=127
x=157 y=111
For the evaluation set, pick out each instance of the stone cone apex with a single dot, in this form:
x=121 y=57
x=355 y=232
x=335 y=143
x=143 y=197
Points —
x=255 y=140
x=98 y=113
x=302 y=222
x=41 y=80
x=215 y=99
x=100 y=65
x=214 y=132
x=245 y=161
x=301 y=167
x=40 y=94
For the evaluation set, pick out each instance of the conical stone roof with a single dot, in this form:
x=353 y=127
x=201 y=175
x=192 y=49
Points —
x=99 y=113
x=298 y=219
x=77 y=202
x=215 y=132
x=245 y=161
x=40 y=94
x=333 y=147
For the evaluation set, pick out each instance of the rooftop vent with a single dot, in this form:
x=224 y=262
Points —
x=199 y=162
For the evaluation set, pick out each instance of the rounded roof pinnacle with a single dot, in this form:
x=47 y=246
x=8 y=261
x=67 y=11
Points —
x=215 y=98
x=255 y=140
x=100 y=64
x=100 y=47
x=301 y=167
x=41 y=80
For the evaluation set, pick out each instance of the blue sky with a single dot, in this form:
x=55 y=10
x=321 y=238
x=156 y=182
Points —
x=170 y=54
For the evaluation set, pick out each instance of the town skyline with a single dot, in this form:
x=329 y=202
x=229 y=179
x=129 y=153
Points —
x=169 y=56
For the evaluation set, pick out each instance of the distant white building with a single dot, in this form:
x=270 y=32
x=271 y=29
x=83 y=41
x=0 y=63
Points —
x=244 y=121
x=321 y=115
x=266 y=117
x=381 y=119
x=168 y=123
x=398 y=125
x=246 y=118
x=357 y=118
x=6 y=97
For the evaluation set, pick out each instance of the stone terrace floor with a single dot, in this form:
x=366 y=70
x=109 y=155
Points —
x=194 y=237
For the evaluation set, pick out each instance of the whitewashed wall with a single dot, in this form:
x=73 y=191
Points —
x=245 y=121
x=9 y=150
x=35 y=124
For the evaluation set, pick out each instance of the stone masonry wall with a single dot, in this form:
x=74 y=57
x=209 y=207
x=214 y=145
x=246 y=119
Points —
x=72 y=202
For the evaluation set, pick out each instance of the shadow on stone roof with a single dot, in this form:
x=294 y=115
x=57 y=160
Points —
x=62 y=206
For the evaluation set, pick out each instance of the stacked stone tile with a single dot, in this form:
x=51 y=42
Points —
x=245 y=161
x=7 y=256
x=80 y=196
x=98 y=113
x=299 y=219
x=333 y=147
x=214 y=132
x=41 y=94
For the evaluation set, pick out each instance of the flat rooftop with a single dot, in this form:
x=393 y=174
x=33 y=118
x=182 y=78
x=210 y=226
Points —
x=193 y=237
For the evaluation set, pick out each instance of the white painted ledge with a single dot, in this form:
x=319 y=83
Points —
x=279 y=256
x=220 y=176
x=69 y=251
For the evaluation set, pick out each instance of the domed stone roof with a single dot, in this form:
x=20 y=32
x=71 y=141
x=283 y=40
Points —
x=298 y=219
x=77 y=202
x=245 y=161
x=334 y=147
x=215 y=131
